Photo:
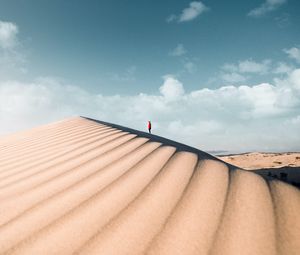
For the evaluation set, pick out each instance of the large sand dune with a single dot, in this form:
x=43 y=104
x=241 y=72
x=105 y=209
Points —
x=81 y=186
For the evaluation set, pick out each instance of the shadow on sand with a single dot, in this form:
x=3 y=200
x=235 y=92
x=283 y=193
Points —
x=290 y=175
x=156 y=138
x=287 y=174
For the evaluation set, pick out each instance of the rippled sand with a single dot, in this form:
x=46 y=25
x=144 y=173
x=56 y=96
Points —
x=86 y=187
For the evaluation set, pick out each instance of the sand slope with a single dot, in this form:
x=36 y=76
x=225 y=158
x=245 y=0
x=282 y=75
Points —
x=80 y=186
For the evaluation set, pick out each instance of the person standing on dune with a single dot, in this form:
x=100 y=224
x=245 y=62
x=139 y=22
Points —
x=149 y=126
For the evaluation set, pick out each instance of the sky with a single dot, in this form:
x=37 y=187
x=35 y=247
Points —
x=216 y=75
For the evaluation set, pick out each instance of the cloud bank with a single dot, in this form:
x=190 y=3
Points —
x=240 y=72
x=235 y=118
x=249 y=66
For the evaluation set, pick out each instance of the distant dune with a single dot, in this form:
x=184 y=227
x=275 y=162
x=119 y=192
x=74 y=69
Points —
x=259 y=160
x=81 y=186
x=283 y=166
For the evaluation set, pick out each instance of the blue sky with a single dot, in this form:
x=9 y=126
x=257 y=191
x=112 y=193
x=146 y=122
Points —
x=157 y=59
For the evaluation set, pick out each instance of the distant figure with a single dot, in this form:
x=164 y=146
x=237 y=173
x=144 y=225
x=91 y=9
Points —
x=149 y=126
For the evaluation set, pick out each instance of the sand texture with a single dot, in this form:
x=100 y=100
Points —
x=260 y=160
x=81 y=186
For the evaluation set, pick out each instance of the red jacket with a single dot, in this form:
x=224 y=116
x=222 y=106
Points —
x=149 y=125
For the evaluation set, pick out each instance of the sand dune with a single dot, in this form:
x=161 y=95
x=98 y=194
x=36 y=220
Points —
x=81 y=186
x=284 y=166
x=260 y=160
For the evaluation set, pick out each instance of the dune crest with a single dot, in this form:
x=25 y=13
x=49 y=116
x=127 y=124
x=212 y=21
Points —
x=81 y=186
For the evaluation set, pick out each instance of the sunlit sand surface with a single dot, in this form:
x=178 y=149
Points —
x=80 y=186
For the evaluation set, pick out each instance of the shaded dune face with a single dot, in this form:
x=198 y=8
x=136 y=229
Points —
x=81 y=186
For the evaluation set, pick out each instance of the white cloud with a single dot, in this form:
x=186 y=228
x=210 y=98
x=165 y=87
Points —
x=283 y=68
x=240 y=72
x=12 y=56
x=266 y=7
x=293 y=80
x=293 y=53
x=248 y=66
x=172 y=89
x=230 y=67
x=243 y=70
x=260 y=117
x=233 y=77
x=8 y=35
x=195 y=9
x=178 y=51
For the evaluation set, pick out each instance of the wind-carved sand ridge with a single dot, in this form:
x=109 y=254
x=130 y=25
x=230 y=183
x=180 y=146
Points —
x=82 y=186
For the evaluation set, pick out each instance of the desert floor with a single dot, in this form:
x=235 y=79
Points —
x=260 y=160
